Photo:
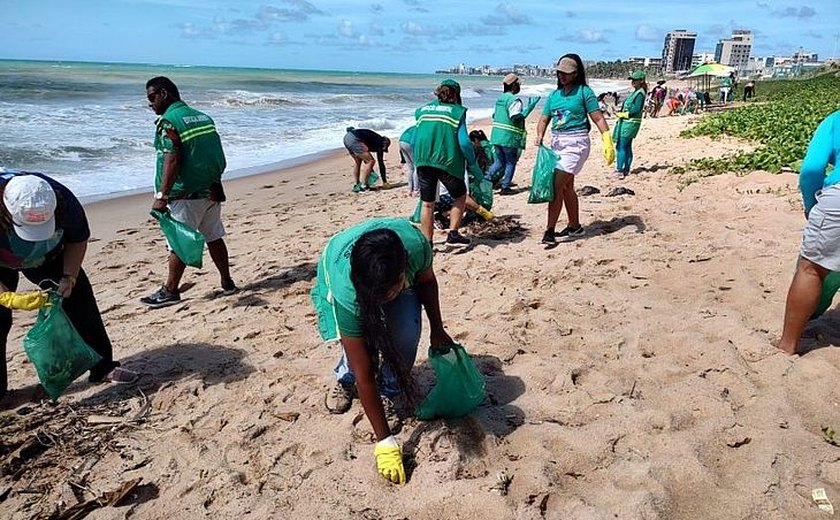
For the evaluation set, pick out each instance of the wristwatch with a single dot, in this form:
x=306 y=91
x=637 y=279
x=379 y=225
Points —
x=160 y=196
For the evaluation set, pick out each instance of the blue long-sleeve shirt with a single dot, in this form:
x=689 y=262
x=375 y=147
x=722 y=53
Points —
x=822 y=151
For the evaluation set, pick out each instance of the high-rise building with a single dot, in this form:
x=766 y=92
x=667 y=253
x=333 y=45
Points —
x=678 y=50
x=701 y=58
x=735 y=51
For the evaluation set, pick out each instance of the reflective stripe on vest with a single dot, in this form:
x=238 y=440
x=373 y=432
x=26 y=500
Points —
x=509 y=128
x=439 y=118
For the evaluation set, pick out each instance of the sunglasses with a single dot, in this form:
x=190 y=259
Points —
x=153 y=95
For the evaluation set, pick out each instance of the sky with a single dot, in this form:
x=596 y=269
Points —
x=396 y=35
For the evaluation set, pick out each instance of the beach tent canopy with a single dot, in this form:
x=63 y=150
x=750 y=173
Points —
x=711 y=69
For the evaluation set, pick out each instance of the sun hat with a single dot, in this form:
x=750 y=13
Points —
x=31 y=202
x=451 y=83
x=638 y=75
x=567 y=65
x=510 y=79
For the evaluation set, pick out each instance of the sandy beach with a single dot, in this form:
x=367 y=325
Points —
x=630 y=374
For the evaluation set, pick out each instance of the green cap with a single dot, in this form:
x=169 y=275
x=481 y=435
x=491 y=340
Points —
x=451 y=83
x=637 y=75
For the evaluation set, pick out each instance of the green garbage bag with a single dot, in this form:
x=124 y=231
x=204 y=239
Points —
x=542 y=180
x=830 y=286
x=459 y=386
x=186 y=242
x=415 y=217
x=56 y=350
x=372 y=178
x=482 y=191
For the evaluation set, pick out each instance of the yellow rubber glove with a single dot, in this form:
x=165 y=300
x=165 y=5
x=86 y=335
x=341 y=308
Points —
x=389 y=461
x=28 y=301
x=609 y=148
x=622 y=115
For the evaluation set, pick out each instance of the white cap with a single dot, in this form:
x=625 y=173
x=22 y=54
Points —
x=30 y=200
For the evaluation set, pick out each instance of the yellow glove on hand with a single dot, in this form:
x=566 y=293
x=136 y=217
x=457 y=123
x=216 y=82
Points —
x=389 y=461
x=609 y=148
x=622 y=115
x=28 y=301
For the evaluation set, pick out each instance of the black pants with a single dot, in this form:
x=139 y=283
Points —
x=429 y=177
x=80 y=308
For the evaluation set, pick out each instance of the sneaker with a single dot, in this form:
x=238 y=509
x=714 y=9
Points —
x=394 y=421
x=506 y=191
x=569 y=233
x=453 y=238
x=357 y=187
x=549 y=238
x=386 y=185
x=161 y=298
x=228 y=287
x=340 y=398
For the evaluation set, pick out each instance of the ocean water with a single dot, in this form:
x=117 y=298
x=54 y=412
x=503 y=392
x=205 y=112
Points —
x=89 y=124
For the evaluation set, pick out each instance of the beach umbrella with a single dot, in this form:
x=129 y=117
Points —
x=711 y=69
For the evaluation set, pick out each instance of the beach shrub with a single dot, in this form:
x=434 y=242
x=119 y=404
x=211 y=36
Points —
x=782 y=119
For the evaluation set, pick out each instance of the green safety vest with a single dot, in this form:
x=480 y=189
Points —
x=629 y=128
x=202 y=158
x=507 y=132
x=436 y=138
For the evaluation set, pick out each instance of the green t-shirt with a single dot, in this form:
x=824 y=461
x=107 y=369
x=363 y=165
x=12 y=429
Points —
x=569 y=112
x=335 y=263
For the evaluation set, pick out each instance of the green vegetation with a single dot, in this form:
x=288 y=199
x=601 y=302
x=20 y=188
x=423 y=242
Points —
x=782 y=120
x=616 y=69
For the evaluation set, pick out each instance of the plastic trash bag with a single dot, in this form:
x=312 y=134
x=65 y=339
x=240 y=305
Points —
x=372 y=178
x=185 y=242
x=542 y=180
x=418 y=209
x=830 y=286
x=482 y=192
x=56 y=350
x=459 y=386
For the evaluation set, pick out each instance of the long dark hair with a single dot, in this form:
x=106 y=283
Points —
x=377 y=262
x=580 y=77
x=476 y=137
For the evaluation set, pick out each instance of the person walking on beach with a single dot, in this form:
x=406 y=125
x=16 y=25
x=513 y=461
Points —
x=726 y=88
x=372 y=280
x=188 y=182
x=44 y=234
x=820 y=252
x=442 y=151
x=569 y=109
x=629 y=122
x=508 y=135
x=658 y=94
x=360 y=142
x=407 y=154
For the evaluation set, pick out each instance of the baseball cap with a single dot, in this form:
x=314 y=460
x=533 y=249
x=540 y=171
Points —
x=510 y=79
x=451 y=83
x=567 y=65
x=31 y=202
x=637 y=75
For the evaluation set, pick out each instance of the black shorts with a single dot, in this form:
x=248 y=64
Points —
x=429 y=177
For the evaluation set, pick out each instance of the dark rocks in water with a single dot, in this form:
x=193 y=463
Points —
x=588 y=190
x=621 y=190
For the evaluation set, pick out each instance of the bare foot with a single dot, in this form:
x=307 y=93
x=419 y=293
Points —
x=787 y=348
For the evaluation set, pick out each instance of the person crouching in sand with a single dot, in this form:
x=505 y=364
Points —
x=372 y=280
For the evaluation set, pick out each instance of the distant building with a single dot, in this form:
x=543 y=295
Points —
x=646 y=62
x=701 y=58
x=801 y=56
x=735 y=51
x=678 y=50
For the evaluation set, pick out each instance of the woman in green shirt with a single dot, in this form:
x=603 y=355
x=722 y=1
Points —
x=569 y=109
x=372 y=280
x=629 y=122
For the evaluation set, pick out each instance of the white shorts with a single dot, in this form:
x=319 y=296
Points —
x=821 y=236
x=202 y=214
x=571 y=149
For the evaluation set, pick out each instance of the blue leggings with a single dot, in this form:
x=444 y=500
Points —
x=623 y=154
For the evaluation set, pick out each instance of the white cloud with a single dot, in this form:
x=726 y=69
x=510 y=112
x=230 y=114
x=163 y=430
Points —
x=648 y=33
